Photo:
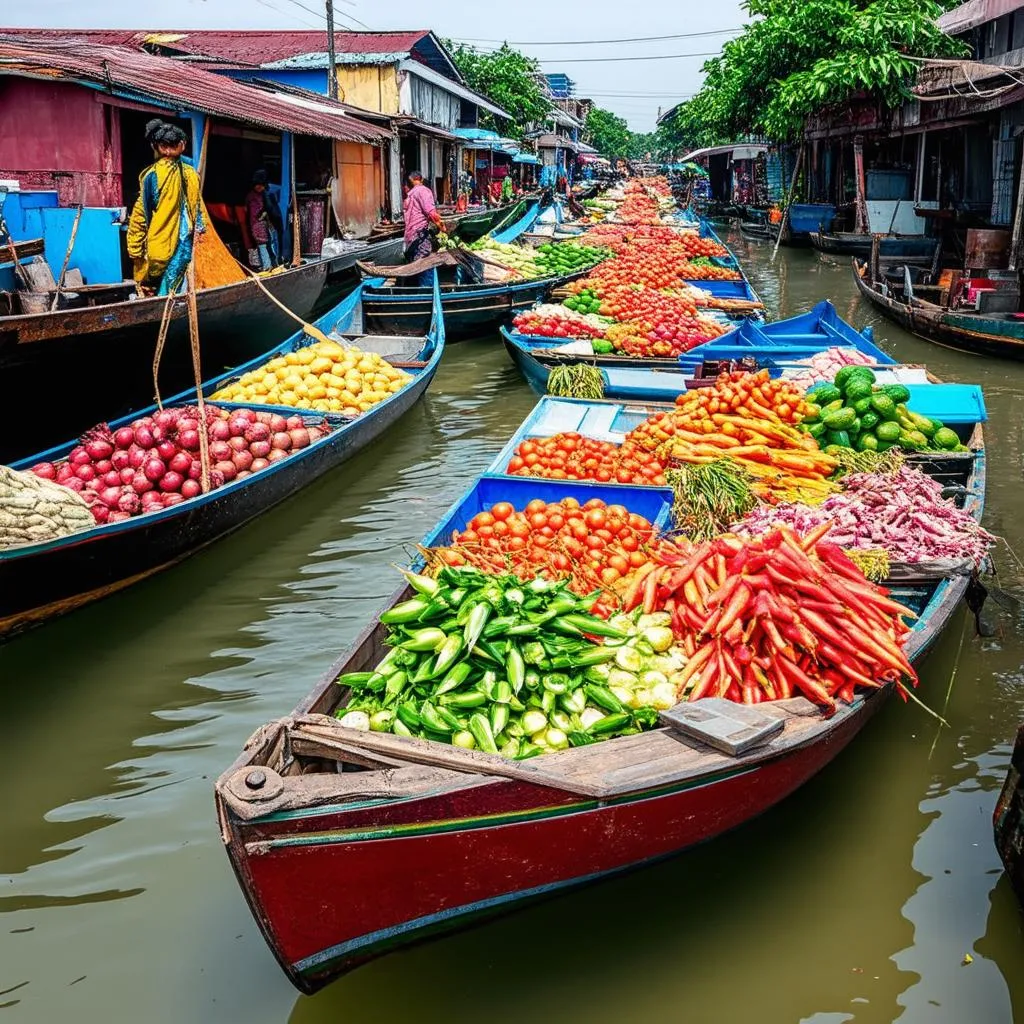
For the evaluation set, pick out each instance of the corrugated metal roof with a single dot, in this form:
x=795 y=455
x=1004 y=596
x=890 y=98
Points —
x=119 y=69
x=974 y=13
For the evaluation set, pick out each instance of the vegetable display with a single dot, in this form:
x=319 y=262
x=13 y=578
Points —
x=576 y=380
x=854 y=412
x=154 y=462
x=822 y=367
x=324 y=377
x=903 y=513
x=492 y=664
x=548 y=260
x=773 y=616
x=34 y=509
x=549 y=320
x=570 y=456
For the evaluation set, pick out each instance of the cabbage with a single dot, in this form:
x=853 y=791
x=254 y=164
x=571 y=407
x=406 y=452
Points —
x=659 y=637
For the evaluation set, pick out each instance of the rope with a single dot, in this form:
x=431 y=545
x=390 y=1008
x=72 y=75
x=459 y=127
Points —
x=193 y=333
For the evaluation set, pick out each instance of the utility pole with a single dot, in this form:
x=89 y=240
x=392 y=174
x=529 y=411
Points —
x=332 y=71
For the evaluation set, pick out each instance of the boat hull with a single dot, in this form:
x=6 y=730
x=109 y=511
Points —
x=96 y=363
x=850 y=243
x=1008 y=820
x=951 y=330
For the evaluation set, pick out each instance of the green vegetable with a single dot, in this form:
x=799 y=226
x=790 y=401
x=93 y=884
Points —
x=816 y=430
x=897 y=392
x=869 y=420
x=824 y=394
x=866 y=442
x=923 y=424
x=884 y=406
x=946 y=439
x=887 y=431
x=838 y=437
x=407 y=611
x=576 y=380
x=841 y=419
x=842 y=376
x=862 y=405
x=813 y=413
x=480 y=727
x=601 y=346
x=857 y=388
x=861 y=373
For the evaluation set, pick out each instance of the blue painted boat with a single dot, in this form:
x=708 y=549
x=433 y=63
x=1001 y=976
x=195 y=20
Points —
x=41 y=581
x=470 y=310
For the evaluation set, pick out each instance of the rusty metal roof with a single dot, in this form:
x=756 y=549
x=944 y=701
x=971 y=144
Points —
x=136 y=73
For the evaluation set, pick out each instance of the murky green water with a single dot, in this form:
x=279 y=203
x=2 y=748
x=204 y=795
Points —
x=855 y=900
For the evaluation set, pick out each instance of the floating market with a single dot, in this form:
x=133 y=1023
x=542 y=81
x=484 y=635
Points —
x=639 y=560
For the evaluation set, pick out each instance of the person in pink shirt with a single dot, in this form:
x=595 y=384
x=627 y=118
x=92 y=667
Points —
x=419 y=213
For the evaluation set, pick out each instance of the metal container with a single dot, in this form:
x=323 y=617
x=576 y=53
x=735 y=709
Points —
x=987 y=249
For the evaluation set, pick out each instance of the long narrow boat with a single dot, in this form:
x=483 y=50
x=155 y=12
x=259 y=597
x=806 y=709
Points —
x=470 y=310
x=855 y=243
x=97 y=361
x=993 y=334
x=1008 y=820
x=349 y=844
x=41 y=581
x=660 y=380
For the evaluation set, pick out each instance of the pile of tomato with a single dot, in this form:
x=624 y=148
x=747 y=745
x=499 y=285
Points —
x=570 y=456
x=700 y=271
x=697 y=246
x=555 y=327
x=594 y=544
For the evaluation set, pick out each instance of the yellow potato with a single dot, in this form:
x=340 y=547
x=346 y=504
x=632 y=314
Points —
x=320 y=365
x=288 y=397
x=333 y=392
x=350 y=410
x=317 y=392
x=277 y=363
x=292 y=359
x=303 y=403
x=333 y=405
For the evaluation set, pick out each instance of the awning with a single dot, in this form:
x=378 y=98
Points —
x=555 y=142
x=974 y=13
x=406 y=122
x=414 y=67
x=526 y=158
x=738 y=150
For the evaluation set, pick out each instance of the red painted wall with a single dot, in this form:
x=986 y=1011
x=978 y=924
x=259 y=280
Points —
x=56 y=135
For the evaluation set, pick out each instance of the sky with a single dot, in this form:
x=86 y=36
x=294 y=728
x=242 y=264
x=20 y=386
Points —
x=635 y=88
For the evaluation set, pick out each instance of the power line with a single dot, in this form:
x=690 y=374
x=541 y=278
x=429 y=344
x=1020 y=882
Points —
x=602 y=60
x=601 y=42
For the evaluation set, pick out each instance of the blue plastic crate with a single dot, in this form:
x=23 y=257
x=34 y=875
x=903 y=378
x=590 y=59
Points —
x=653 y=503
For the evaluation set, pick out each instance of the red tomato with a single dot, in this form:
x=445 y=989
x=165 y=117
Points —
x=502 y=510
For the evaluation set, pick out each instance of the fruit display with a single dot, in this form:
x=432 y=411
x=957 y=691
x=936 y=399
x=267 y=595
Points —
x=822 y=367
x=854 y=412
x=487 y=663
x=34 y=510
x=555 y=321
x=592 y=545
x=155 y=461
x=548 y=260
x=570 y=456
x=323 y=377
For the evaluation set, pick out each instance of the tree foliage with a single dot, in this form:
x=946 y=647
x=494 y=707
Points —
x=507 y=77
x=609 y=133
x=799 y=56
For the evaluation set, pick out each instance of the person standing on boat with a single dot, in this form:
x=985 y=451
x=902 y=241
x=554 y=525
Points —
x=420 y=212
x=167 y=214
x=259 y=216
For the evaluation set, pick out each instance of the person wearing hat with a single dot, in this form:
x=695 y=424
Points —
x=261 y=222
x=167 y=215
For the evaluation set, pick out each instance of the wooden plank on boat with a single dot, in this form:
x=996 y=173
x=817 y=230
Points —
x=723 y=724
x=22 y=250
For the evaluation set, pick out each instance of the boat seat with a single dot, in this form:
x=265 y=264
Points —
x=389 y=346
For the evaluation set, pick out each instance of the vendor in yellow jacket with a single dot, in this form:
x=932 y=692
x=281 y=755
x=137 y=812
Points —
x=167 y=214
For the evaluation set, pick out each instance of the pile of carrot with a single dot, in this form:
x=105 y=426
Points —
x=774 y=616
x=747 y=418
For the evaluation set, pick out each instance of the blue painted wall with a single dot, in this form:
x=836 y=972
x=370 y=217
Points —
x=313 y=80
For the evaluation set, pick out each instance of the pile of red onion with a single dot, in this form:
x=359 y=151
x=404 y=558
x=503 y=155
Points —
x=154 y=463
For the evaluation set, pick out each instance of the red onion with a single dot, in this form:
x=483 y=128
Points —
x=129 y=502
x=294 y=422
x=263 y=417
x=75 y=484
x=187 y=423
x=79 y=457
x=258 y=464
x=103 y=466
x=245 y=414
x=100 y=513
x=195 y=471
x=110 y=496
x=45 y=470
x=65 y=471
x=111 y=479
x=166 y=450
x=239 y=444
x=120 y=459
x=154 y=469
x=136 y=458
x=189 y=440
x=226 y=469
x=85 y=472
x=300 y=437
x=216 y=478
x=144 y=437
x=282 y=439
x=257 y=432
x=220 y=451
x=124 y=438
x=277 y=423
x=171 y=482
x=242 y=474
x=141 y=483
x=260 y=449
x=276 y=455
x=116 y=517
x=237 y=426
x=151 y=501
x=166 y=418
x=242 y=460
x=127 y=475
x=191 y=489
x=172 y=499
x=97 y=449
x=180 y=462
x=220 y=430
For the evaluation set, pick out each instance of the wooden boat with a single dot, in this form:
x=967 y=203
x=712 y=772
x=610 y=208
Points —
x=342 y=270
x=992 y=334
x=893 y=247
x=471 y=226
x=97 y=361
x=348 y=844
x=1008 y=820
x=41 y=581
x=470 y=310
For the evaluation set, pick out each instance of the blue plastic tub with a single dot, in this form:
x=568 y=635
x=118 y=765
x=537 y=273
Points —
x=806 y=217
x=653 y=503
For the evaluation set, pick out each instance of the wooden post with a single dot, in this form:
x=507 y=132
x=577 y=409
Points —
x=67 y=257
x=919 y=183
x=332 y=71
x=873 y=271
x=789 y=199
x=1017 y=239
x=860 y=205
x=296 y=225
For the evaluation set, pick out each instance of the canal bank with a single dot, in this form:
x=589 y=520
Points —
x=854 y=899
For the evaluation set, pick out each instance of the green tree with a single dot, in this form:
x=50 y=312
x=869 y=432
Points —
x=507 y=77
x=609 y=133
x=800 y=56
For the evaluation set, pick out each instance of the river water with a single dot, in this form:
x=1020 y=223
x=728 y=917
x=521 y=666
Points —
x=857 y=899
